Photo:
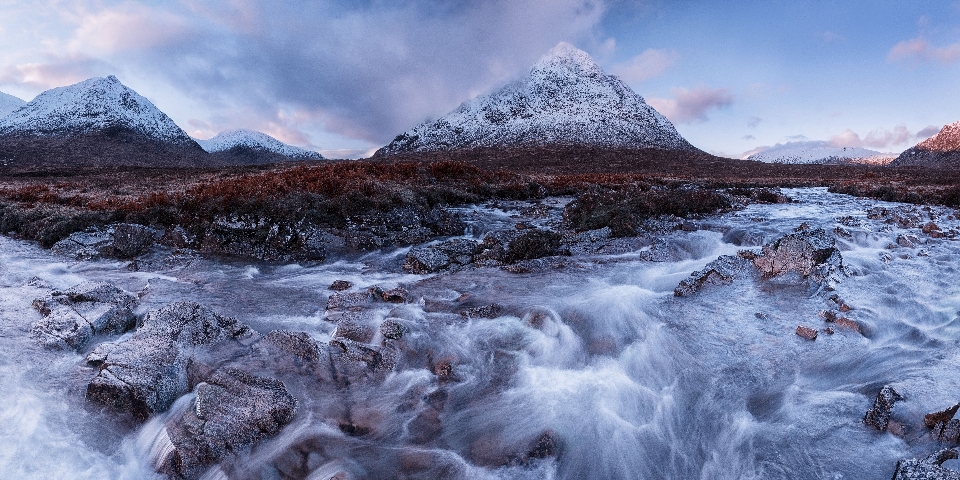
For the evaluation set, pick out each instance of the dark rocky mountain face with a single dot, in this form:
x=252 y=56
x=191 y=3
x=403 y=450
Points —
x=565 y=100
x=940 y=150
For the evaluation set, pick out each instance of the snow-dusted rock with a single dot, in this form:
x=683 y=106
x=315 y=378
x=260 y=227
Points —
x=940 y=150
x=92 y=105
x=9 y=103
x=145 y=373
x=249 y=141
x=71 y=317
x=819 y=152
x=566 y=99
x=929 y=468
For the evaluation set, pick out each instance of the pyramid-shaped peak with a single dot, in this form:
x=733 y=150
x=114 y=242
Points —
x=95 y=104
x=565 y=100
x=566 y=56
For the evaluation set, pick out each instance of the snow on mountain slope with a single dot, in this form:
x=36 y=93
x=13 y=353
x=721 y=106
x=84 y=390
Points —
x=9 y=103
x=96 y=104
x=942 y=149
x=820 y=152
x=566 y=99
x=254 y=140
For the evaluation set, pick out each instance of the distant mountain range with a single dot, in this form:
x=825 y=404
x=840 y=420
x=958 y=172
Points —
x=249 y=146
x=99 y=123
x=940 y=150
x=565 y=99
x=820 y=152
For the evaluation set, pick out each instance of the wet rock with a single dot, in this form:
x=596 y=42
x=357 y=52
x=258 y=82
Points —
x=357 y=351
x=395 y=295
x=841 y=305
x=929 y=468
x=484 y=311
x=393 y=329
x=341 y=303
x=131 y=240
x=354 y=327
x=492 y=250
x=424 y=260
x=232 y=411
x=879 y=416
x=145 y=373
x=811 y=253
x=932 y=230
x=71 y=317
x=340 y=285
x=531 y=244
x=908 y=241
x=944 y=426
x=585 y=243
x=722 y=271
x=806 y=332
x=90 y=244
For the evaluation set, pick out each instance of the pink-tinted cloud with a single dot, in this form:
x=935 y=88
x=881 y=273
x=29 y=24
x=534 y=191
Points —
x=691 y=106
x=54 y=72
x=927 y=132
x=648 y=64
x=847 y=138
x=876 y=139
x=918 y=50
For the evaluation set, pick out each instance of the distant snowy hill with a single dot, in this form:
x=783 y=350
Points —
x=96 y=123
x=92 y=105
x=940 y=150
x=566 y=99
x=820 y=152
x=251 y=143
x=9 y=103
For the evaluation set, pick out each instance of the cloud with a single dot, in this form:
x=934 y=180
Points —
x=749 y=137
x=876 y=139
x=53 y=71
x=648 y=64
x=927 y=132
x=754 y=121
x=691 y=106
x=917 y=50
x=847 y=138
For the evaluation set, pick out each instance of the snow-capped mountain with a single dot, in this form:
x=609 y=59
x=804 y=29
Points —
x=250 y=141
x=93 y=105
x=819 y=152
x=940 y=150
x=9 y=103
x=566 y=99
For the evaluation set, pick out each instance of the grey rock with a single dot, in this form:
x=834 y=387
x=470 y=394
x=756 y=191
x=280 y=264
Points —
x=71 y=317
x=426 y=260
x=807 y=252
x=722 y=271
x=232 y=411
x=85 y=245
x=145 y=373
x=929 y=468
x=879 y=416
x=131 y=240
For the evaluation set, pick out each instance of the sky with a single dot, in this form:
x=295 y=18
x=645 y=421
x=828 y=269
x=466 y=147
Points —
x=345 y=78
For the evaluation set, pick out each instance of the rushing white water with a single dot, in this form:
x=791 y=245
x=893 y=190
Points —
x=636 y=383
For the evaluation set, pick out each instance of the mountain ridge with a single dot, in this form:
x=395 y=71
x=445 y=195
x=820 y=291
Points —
x=251 y=143
x=565 y=99
x=940 y=150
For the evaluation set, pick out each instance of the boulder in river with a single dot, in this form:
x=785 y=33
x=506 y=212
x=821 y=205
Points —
x=879 y=416
x=810 y=252
x=232 y=411
x=721 y=271
x=929 y=468
x=145 y=373
x=72 y=316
